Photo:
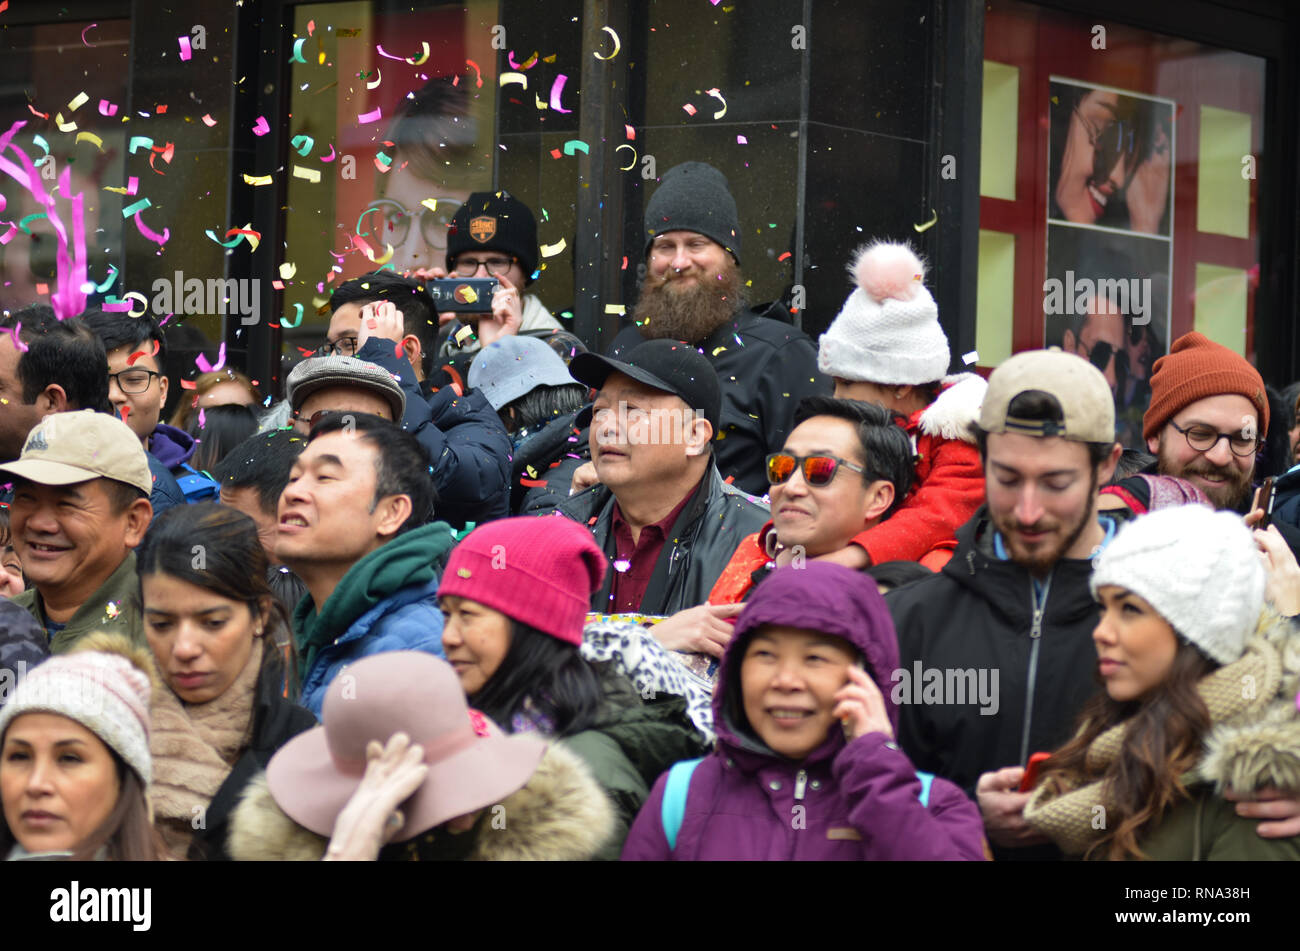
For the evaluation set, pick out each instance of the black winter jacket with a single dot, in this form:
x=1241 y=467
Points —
x=765 y=367
x=463 y=435
x=700 y=544
x=978 y=614
x=276 y=721
x=549 y=454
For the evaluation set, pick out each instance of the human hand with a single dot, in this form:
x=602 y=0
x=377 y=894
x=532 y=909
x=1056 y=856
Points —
x=584 y=477
x=1283 y=588
x=702 y=629
x=1148 y=190
x=860 y=706
x=381 y=320
x=507 y=313
x=394 y=771
x=1282 y=808
x=1002 y=805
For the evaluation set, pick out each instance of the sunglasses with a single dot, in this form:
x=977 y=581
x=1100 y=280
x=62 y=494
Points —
x=817 y=470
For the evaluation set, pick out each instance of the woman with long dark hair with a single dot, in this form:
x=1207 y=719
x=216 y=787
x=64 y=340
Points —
x=515 y=595
x=217 y=636
x=1200 y=685
x=74 y=757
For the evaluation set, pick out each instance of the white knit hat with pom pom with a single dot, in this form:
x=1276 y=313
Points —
x=888 y=330
x=1198 y=568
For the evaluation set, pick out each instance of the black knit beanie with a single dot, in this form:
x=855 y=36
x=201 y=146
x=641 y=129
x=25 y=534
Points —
x=694 y=197
x=495 y=221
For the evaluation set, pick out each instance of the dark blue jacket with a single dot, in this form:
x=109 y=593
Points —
x=174 y=448
x=166 y=491
x=463 y=435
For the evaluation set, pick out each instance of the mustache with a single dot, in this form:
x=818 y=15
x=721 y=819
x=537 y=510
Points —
x=1207 y=468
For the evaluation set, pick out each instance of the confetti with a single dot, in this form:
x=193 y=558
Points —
x=970 y=358
x=690 y=110
x=617 y=45
x=288 y=270
x=477 y=72
x=716 y=94
x=420 y=60
x=551 y=250
x=27 y=219
x=934 y=217
x=303 y=144
x=526 y=64
x=132 y=185
x=615 y=309
x=310 y=174
x=208 y=120
x=151 y=234
x=83 y=35
x=139 y=142
x=108 y=282
x=556 y=88
x=379 y=77
x=296 y=56
x=367 y=118
x=140 y=205
x=90 y=137
x=330 y=157
x=206 y=367
x=257 y=179
x=189 y=385
x=107 y=108
x=261 y=126
x=576 y=145
x=784 y=256
x=184 y=42
x=518 y=79
x=622 y=565
x=631 y=162
x=112 y=610
x=741 y=140
x=631 y=133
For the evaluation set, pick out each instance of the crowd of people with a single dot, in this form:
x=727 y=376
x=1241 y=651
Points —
x=471 y=591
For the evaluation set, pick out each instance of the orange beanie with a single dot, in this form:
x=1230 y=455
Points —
x=1197 y=367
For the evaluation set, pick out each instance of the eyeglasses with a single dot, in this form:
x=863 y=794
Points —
x=817 y=470
x=395 y=221
x=468 y=266
x=310 y=421
x=133 y=381
x=1100 y=355
x=344 y=347
x=1204 y=439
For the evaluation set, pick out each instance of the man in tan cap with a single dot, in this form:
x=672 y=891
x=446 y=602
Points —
x=80 y=505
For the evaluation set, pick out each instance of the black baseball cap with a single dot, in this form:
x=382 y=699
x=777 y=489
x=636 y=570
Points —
x=669 y=365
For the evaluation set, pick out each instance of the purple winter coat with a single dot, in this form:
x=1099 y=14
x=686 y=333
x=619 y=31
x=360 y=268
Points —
x=860 y=799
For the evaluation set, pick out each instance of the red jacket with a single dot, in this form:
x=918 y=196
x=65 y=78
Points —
x=948 y=483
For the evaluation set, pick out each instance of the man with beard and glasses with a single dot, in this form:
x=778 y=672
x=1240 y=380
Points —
x=1207 y=420
x=693 y=291
x=1014 y=601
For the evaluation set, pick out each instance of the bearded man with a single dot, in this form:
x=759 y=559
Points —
x=693 y=291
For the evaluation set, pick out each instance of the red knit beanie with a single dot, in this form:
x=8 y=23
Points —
x=1197 y=367
x=540 y=571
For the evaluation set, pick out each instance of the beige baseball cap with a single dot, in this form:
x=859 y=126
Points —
x=1081 y=389
x=65 y=448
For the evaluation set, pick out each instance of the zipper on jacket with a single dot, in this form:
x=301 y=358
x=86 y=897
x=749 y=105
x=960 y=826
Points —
x=1035 y=639
x=800 y=784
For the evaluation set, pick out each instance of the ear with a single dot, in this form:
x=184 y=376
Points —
x=138 y=516
x=698 y=436
x=392 y=511
x=1153 y=446
x=163 y=384
x=52 y=399
x=881 y=498
x=414 y=350
x=1107 y=469
x=264 y=613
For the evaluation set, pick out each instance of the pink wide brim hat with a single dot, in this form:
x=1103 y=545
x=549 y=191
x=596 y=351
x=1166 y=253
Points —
x=472 y=764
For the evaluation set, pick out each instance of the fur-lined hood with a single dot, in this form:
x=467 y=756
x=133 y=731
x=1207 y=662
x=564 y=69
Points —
x=561 y=814
x=955 y=408
x=1260 y=747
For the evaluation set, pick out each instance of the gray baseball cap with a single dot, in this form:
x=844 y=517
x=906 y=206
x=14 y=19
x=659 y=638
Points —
x=318 y=373
x=1079 y=387
x=508 y=368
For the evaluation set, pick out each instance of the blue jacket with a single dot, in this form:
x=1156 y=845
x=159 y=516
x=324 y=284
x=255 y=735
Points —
x=466 y=442
x=173 y=448
x=166 y=492
x=407 y=620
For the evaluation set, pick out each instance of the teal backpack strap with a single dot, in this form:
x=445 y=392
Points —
x=673 y=808
x=926 y=779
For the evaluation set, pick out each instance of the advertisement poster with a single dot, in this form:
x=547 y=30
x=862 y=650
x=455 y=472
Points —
x=1110 y=237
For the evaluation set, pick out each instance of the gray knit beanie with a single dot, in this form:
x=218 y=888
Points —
x=1198 y=568
x=694 y=197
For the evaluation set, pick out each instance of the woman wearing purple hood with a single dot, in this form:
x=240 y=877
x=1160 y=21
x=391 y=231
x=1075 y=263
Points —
x=806 y=767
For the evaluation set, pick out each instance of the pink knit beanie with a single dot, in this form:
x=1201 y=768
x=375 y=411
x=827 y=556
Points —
x=540 y=571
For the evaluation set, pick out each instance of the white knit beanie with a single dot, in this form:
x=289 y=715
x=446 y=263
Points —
x=888 y=330
x=1200 y=569
x=105 y=693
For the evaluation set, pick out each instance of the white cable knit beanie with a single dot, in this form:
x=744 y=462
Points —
x=1198 y=568
x=888 y=330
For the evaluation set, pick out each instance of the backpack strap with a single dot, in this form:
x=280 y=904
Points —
x=673 y=808
x=926 y=779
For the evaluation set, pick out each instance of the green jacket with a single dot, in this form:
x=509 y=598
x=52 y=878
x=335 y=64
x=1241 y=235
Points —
x=1206 y=828
x=111 y=608
x=631 y=744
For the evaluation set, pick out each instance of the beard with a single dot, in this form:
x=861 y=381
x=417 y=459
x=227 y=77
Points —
x=668 y=311
x=1039 y=559
x=1232 y=493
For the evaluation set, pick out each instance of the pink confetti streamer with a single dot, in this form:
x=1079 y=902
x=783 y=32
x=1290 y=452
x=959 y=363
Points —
x=330 y=157
x=365 y=119
x=556 y=88
x=83 y=35
x=206 y=367
x=150 y=233
x=380 y=50
x=107 y=108
x=208 y=120
x=184 y=42
x=261 y=127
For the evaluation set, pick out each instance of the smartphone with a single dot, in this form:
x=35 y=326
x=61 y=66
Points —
x=1266 y=495
x=470 y=295
x=1030 y=779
